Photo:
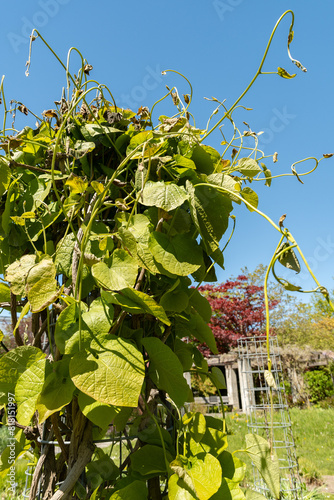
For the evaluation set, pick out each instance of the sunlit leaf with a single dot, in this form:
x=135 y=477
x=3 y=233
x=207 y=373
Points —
x=41 y=285
x=13 y=364
x=17 y=272
x=179 y=255
x=265 y=461
x=122 y=272
x=163 y=195
x=136 y=302
x=251 y=197
x=100 y=414
x=248 y=167
x=76 y=184
x=113 y=375
x=27 y=390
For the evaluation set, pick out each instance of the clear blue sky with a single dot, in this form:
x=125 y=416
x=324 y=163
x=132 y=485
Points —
x=218 y=45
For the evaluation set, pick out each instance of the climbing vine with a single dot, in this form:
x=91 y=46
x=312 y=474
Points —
x=107 y=221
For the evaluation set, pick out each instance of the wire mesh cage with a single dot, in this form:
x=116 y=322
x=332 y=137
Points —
x=270 y=419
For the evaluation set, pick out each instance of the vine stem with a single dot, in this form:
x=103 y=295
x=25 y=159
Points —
x=4 y=105
x=225 y=190
x=258 y=72
x=266 y=301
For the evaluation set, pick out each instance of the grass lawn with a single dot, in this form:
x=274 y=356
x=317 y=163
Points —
x=313 y=431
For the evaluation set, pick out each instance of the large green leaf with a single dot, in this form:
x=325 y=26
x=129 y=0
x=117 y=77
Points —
x=27 y=390
x=229 y=490
x=265 y=461
x=206 y=475
x=57 y=390
x=175 y=300
x=95 y=324
x=41 y=285
x=196 y=424
x=227 y=182
x=149 y=460
x=140 y=229
x=99 y=413
x=136 y=302
x=180 y=255
x=233 y=468
x=203 y=159
x=166 y=370
x=4 y=293
x=93 y=131
x=200 y=304
x=113 y=375
x=183 y=162
x=63 y=260
x=149 y=146
x=179 y=490
x=136 y=490
x=202 y=476
x=122 y=272
x=37 y=191
x=184 y=352
x=16 y=273
x=66 y=324
x=248 y=167
x=5 y=175
x=214 y=441
x=288 y=258
x=163 y=195
x=217 y=378
x=249 y=195
x=13 y=364
x=210 y=212
x=195 y=326
x=102 y=466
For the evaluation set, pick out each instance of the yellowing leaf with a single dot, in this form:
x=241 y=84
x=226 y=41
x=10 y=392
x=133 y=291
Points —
x=17 y=272
x=41 y=285
x=284 y=74
x=97 y=186
x=76 y=184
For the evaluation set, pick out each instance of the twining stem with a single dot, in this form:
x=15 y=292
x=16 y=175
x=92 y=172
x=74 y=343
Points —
x=258 y=72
